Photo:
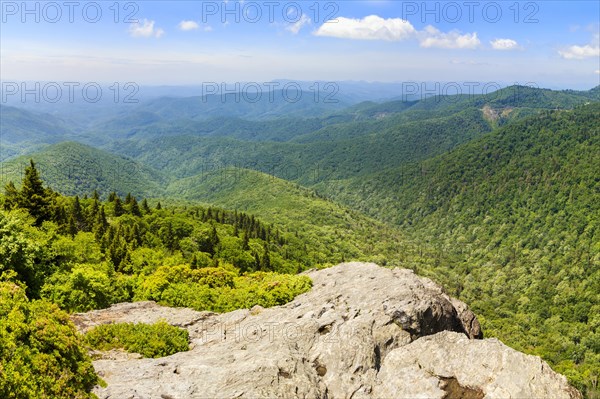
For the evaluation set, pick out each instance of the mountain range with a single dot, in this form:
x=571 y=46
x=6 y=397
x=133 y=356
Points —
x=496 y=197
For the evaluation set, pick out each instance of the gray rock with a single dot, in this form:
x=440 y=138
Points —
x=361 y=332
x=455 y=366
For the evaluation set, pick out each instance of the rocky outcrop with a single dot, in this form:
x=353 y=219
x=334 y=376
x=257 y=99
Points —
x=361 y=332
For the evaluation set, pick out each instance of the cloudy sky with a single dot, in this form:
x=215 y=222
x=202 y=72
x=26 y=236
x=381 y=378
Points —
x=551 y=43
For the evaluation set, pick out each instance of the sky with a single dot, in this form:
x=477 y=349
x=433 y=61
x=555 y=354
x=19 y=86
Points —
x=553 y=44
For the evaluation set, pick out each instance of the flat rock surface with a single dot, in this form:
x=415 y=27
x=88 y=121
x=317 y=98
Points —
x=362 y=332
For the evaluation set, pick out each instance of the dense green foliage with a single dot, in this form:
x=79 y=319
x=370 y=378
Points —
x=328 y=232
x=74 y=168
x=87 y=254
x=149 y=340
x=94 y=254
x=512 y=221
x=41 y=355
x=219 y=290
x=499 y=195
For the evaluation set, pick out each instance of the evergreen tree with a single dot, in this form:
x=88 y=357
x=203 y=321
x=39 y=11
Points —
x=60 y=217
x=167 y=236
x=246 y=242
x=112 y=197
x=11 y=196
x=92 y=214
x=119 y=210
x=257 y=261
x=72 y=228
x=145 y=207
x=34 y=197
x=136 y=236
x=265 y=264
x=100 y=224
x=158 y=206
x=214 y=240
x=78 y=215
x=135 y=208
x=128 y=199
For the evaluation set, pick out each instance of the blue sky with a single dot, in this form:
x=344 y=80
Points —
x=551 y=43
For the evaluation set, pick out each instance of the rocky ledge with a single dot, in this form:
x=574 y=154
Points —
x=362 y=332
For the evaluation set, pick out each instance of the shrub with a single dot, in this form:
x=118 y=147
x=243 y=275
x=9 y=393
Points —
x=219 y=290
x=149 y=340
x=85 y=288
x=41 y=354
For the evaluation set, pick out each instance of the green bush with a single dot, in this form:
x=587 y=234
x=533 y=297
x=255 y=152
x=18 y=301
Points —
x=149 y=340
x=86 y=287
x=219 y=290
x=41 y=354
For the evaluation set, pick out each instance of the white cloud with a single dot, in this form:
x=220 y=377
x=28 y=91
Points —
x=297 y=26
x=371 y=27
x=188 y=25
x=597 y=71
x=374 y=27
x=504 y=44
x=432 y=37
x=145 y=29
x=580 y=52
x=576 y=52
x=208 y=28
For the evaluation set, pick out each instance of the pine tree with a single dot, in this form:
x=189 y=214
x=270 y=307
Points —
x=145 y=207
x=158 y=206
x=246 y=242
x=92 y=213
x=257 y=262
x=11 y=196
x=72 y=228
x=214 y=240
x=136 y=236
x=60 y=217
x=128 y=199
x=135 y=208
x=34 y=197
x=78 y=215
x=119 y=210
x=167 y=236
x=100 y=224
x=112 y=197
x=95 y=195
x=266 y=259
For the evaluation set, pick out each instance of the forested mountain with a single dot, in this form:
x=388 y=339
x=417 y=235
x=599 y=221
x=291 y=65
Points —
x=19 y=125
x=25 y=131
x=515 y=214
x=77 y=169
x=496 y=197
x=339 y=233
x=255 y=103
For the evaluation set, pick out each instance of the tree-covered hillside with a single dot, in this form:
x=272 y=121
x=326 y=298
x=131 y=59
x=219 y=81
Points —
x=334 y=233
x=77 y=169
x=84 y=254
x=514 y=218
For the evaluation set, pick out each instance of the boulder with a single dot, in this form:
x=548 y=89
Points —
x=362 y=332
